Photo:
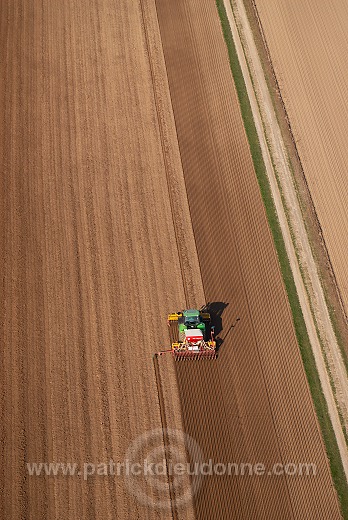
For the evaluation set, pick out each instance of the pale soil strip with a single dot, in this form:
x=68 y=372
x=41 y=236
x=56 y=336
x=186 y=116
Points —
x=182 y=225
x=279 y=154
x=193 y=292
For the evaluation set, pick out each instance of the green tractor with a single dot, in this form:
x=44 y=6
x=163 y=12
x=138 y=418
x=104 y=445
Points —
x=192 y=335
x=191 y=319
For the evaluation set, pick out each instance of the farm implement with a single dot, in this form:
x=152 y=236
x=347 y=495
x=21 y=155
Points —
x=191 y=334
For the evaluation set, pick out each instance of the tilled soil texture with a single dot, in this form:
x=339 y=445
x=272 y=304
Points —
x=308 y=45
x=252 y=404
x=89 y=261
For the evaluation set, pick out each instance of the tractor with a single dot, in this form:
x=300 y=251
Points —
x=191 y=334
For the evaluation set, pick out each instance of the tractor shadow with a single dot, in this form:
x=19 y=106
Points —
x=216 y=310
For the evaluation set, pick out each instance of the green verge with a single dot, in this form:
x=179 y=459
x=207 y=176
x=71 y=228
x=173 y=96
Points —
x=300 y=327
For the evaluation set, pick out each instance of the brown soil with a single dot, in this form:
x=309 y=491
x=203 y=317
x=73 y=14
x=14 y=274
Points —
x=270 y=138
x=89 y=260
x=253 y=403
x=307 y=48
x=97 y=247
x=313 y=226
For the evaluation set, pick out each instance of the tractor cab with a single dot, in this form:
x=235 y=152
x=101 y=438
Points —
x=191 y=319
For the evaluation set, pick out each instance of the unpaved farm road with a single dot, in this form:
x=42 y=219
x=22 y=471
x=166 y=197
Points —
x=269 y=131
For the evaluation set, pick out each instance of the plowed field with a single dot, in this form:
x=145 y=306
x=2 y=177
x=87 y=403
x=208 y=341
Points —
x=97 y=247
x=253 y=402
x=87 y=242
x=308 y=44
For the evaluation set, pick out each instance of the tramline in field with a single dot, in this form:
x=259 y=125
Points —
x=191 y=334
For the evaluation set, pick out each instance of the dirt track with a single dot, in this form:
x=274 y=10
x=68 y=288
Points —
x=90 y=181
x=308 y=45
x=253 y=403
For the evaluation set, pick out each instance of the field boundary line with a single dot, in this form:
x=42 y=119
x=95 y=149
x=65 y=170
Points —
x=190 y=288
x=191 y=276
x=272 y=138
x=166 y=441
x=290 y=249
